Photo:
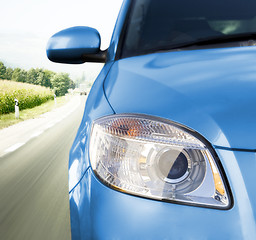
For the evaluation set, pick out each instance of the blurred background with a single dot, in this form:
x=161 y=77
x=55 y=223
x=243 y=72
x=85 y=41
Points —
x=28 y=24
x=41 y=107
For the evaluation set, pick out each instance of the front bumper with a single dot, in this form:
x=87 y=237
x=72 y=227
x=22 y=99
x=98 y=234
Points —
x=98 y=212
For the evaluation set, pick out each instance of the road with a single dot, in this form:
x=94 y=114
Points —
x=34 y=200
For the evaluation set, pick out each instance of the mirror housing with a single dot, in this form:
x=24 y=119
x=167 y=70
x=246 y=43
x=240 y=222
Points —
x=75 y=45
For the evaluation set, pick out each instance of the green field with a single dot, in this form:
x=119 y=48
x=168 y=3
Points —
x=9 y=119
x=28 y=95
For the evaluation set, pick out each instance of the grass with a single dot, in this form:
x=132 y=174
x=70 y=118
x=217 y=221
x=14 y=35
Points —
x=7 y=120
x=29 y=95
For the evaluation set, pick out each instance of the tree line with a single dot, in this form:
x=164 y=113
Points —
x=59 y=82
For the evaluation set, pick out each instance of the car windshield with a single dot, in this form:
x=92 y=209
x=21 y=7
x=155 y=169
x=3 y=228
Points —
x=157 y=25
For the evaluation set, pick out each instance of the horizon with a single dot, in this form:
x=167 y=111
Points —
x=23 y=38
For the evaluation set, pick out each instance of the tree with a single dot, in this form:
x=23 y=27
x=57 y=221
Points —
x=32 y=76
x=19 y=75
x=39 y=76
x=8 y=73
x=2 y=70
x=16 y=74
x=72 y=84
x=47 y=78
x=44 y=78
x=60 y=83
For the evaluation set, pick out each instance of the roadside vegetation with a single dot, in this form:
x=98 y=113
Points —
x=7 y=120
x=28 y=95
x=34 y=89
x=58 y=82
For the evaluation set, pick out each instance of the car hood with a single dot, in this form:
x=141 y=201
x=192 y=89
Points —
x=210 y=91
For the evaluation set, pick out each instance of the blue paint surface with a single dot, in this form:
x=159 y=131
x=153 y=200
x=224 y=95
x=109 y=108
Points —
x=102 y=213
x=211 y=91
x=68 y=45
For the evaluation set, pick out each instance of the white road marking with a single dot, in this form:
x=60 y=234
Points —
x=49 y=125
x=42 y=123
x=36 y=134
x=14 y=147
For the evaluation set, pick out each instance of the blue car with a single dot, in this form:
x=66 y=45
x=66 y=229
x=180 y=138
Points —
x=166 y=148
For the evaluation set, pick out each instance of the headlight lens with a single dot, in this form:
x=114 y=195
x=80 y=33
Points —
x=157 y=159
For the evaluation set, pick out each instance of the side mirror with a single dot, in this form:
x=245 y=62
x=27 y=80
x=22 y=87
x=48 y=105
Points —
x=75 y=45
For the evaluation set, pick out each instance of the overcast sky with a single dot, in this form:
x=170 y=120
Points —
x=26 y=26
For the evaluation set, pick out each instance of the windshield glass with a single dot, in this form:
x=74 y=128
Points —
x=156 y=25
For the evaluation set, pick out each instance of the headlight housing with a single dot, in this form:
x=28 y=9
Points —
x=156 y=158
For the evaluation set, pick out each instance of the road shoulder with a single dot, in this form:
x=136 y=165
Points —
x=17 y=135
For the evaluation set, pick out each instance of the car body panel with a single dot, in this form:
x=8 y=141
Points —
x=211 y=91
x=96 y=106
x=104 y=213
x=112 y=50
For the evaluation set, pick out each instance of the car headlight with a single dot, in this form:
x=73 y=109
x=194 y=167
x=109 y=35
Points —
x=156 y=158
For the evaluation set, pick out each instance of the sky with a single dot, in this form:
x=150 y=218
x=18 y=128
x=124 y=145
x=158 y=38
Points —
x=26 y=26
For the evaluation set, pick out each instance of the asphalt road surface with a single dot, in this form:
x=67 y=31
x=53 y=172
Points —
x=34 y=200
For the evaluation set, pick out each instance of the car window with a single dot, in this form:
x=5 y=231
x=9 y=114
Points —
x=159 y=24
